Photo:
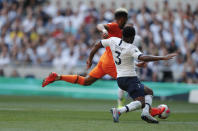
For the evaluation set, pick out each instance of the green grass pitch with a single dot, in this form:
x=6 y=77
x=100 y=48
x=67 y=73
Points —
x=62 y=114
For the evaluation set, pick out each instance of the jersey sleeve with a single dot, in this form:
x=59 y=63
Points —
x=105 y=42
x=111 y=27
x=135 y=52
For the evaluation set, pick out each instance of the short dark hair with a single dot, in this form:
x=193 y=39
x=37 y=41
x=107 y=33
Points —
x=121 y=12
x=128 y=31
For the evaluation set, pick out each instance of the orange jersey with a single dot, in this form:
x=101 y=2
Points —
x=106 y=64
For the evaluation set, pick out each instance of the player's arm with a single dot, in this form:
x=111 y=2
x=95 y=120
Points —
x=148 y=58
x=92 y=53
x=103 y=28
x=102 y=43
x=141 y=64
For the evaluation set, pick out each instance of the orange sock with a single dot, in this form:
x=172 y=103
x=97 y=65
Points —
x=155 y=111
x=73 y=79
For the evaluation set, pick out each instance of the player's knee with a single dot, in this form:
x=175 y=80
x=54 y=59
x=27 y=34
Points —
x=87 y=83
x=89 y=80
x=142 y=100
x=143 y=104
x=148 y=91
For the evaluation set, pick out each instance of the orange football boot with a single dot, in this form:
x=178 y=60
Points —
x=49 y=79
x=157 y=111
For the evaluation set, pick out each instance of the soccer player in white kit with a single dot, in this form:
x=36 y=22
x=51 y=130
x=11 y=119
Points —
x=124 y=55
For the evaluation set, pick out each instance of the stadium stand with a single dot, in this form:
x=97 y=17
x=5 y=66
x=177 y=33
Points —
x=42 y=34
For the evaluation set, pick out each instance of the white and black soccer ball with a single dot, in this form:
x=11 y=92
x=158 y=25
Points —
x=165 y=113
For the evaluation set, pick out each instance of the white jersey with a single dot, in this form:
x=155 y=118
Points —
x=124 y=55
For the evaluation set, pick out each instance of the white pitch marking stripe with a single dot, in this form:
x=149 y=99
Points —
x=182 y=122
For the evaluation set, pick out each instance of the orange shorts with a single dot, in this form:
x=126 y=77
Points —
x=102 y=68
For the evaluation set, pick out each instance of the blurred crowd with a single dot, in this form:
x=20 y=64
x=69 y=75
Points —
x=37 y=32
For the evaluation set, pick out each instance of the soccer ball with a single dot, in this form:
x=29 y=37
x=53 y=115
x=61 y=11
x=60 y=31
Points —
x=166 y=112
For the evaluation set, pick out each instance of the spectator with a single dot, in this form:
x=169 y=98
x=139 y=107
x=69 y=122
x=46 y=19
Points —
x=15 y=73
x=1 y=73
x=192 y=75
x=4 y=56
x=195 y=56
x=177 y=69
x=29 y=22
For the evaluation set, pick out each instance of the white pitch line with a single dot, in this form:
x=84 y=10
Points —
x=180 y=122
x=12 y=109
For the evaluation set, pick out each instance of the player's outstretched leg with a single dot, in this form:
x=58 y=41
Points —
x=116 y=112
x=75 y=79
x=146 y=115
x=51 y=78
x=148 y=103
x=153 y=110
x=148 y=118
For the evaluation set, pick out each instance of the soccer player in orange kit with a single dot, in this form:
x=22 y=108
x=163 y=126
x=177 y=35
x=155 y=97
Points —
x=106 y=64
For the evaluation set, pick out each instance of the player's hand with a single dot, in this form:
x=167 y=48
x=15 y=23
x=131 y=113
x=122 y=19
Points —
x=89 y=63
x=142 y=64
x=105 y=34
x=170 y=56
